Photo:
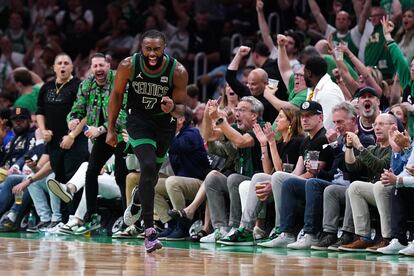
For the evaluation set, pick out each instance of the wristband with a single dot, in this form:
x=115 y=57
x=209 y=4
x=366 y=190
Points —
x=219 y=121
x=348 y=147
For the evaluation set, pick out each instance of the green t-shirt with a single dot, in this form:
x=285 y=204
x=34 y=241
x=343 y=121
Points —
x=29 y=101
x=296 y=98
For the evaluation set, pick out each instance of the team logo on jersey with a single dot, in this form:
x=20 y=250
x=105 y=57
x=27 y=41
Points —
x=164 y=79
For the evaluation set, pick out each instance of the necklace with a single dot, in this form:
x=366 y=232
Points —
x=63 y=84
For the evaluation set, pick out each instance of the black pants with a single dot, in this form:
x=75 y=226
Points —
x=65 y=163
x=100 y=153
x=402 y=207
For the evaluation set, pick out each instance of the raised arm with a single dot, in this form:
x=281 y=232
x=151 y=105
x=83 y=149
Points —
x=283 y=60
x=362 y=17
x=320 y=19
x=264 y=28
x=115 y=102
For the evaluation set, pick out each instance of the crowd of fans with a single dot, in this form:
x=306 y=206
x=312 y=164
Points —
x=335 y=83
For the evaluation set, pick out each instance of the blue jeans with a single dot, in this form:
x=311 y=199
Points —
x=296 y=190
x=6 y=195
x=38 y=192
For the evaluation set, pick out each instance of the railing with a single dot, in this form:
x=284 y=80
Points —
x=235 y=38
x=274 y=18
x=200 y=57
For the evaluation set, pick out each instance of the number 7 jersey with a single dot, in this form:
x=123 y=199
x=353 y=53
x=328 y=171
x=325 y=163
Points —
x=145 y=90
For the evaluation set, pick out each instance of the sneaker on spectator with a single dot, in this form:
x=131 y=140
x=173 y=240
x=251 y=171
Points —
x=326 y=240
x=151 y=241
x=178 y=234
x=91 y=225
x=60 y=190
x=346 y=238
x=215 y=236
x=393 y=248
x=305 y=242
x=381 y=243
x=129 y=218
x=408 y=250
x=167 y=231
x=70 y=227
x=281 y=241
x=240 y=236
x=131 y=232
x=54 y=227
x=259 y=234
x=7 y=225
x=359 y=245
x=38 y=227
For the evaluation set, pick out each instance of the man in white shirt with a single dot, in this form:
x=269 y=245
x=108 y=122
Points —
x=322 y=89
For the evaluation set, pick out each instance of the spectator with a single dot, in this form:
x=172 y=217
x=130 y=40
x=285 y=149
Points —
x=16 y=34
x=28 y=85
x=66 y=18
x=404 y=36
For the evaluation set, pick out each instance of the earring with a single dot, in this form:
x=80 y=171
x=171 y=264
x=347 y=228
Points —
x=289 y=128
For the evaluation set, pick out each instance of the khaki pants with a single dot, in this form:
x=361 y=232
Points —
x=362 y=194
x=178 y=189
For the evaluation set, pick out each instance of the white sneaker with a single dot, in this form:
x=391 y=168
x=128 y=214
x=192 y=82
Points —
x=281 y=241
x=258 y=233
x=129 y=218
x=56 y=228
x=392 y=249
x=305 y=242
x=408 y=250
x=215 y=236
x=60 y=190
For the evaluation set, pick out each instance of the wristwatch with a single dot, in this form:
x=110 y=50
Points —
x=219 y=121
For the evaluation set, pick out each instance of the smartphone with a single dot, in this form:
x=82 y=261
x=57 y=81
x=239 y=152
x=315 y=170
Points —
x=273 y=83
x=219 y=100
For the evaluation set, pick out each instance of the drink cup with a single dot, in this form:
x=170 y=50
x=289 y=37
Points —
x=18 y=198
x=313 y=159
x=287 y=167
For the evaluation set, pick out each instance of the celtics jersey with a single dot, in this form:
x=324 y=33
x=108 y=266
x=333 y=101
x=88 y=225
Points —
x=145 y=91
x=348 y=39
x=377 y=54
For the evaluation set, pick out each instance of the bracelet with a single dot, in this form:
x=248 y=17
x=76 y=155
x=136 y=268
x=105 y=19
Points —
x=349 y=147
x=30 y=179
x=71 y=135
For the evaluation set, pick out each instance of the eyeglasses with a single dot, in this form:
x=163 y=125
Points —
x=241 y=110
x=381 y=124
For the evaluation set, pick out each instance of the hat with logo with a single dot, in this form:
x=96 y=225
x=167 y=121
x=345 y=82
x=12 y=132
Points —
x=312 y=107
x=365 y=90
x=19 y=113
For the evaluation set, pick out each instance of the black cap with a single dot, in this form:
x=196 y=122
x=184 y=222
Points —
x=312 y=107
x=364 y=90
x=19 y=113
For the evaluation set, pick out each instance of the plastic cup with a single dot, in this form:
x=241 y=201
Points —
x=287 y=167
x=18 y=198
x=313 y=159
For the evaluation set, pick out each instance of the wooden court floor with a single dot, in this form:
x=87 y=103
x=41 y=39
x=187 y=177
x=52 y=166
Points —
x=37 y=254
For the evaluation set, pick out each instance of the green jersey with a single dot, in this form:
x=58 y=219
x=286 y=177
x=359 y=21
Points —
x=29 y=101
x=377 y=53
x=403 y=70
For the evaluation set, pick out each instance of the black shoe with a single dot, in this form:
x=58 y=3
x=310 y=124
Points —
x=8 y=226
x=38 y=227
x=326 y=240
x=345 y=239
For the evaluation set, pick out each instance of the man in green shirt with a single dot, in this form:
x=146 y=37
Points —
x=28 y=85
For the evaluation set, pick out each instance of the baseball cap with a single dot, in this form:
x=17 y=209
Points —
x=312 y=107
x=364 y=90
x=19 y=113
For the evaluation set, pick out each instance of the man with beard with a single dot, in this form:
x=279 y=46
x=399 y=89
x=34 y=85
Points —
x=66 y=149
x=24 y=138
x=156 y=94
x=323 y=89
x=368 y=106
x=91 y=107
